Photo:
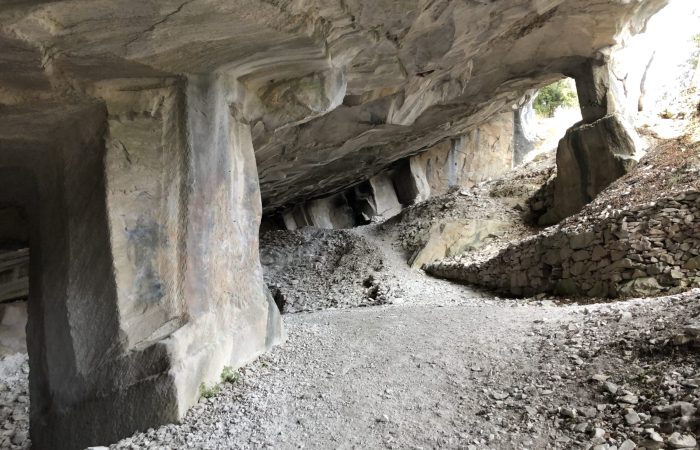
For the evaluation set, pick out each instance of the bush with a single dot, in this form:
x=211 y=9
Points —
x=229 y=375
x=553 y=96
x=208 y=391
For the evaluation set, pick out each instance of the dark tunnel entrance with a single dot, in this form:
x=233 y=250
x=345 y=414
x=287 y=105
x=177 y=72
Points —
x=14 y=302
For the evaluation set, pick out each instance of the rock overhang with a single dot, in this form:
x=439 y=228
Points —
x=149 y=120
x=333 y=91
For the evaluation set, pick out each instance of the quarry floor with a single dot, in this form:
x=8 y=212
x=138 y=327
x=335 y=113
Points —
x=427 y=363
x=446 y=368
x=414 y=375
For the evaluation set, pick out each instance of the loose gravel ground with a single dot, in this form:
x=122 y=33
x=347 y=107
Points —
x=408 y=361
x=443 y=368
x=14 y=402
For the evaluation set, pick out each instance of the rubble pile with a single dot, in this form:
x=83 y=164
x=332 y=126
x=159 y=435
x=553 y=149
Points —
x=503 y=201
x=312 y=269
x=634 y=371
x=641 y=237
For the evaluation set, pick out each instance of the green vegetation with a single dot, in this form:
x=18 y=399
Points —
x=208 y=391
x=229 y=375
x=693 y=61
x=553 y=96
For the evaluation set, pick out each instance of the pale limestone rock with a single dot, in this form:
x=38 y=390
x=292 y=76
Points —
x=384 y=201
x=589 y=158
x=453 y=238
x=483 y=153
x=144 y=138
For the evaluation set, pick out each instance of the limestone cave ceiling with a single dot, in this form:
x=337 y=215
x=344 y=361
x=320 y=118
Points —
x=333 y=90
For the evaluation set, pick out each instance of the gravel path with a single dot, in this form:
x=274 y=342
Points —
x=433 y=371
x=444 y=367
x=386 y=377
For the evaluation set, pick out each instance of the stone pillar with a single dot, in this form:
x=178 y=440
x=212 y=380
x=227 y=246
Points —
x=289 y=221
x=411 y=182
x=79 y=372
x=145 y=278
x=592 y=87
x=523 y=131
x=598 y=150
x=332 y=212
x=384 y=199
x=231 y=316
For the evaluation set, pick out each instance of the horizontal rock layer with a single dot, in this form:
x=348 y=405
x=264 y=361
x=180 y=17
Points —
x=480 y=154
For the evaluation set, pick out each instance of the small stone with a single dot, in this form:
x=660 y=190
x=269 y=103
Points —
x=568 y=412
x=629 y=399
x=677 y=274
x=625 y=317
x=499 y=395
x=677 y=440
x=598 y=433
x=654 y=436
x=611 y=387
x=631 y=417
x=588 y=412
x=628 y=445
x=581 y=427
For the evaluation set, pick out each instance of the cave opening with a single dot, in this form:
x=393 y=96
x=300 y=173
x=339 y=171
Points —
x=543 y=121
x=14 y=293
x=144 y=270
x=14 y=297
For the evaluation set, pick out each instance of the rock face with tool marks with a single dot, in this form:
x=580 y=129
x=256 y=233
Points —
x=143 y=139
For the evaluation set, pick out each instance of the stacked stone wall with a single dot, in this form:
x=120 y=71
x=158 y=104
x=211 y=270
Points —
x=643 y=250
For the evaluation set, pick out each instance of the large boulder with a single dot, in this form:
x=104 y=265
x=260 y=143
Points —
x=445 y=239
x=384 y=201
x=589 y=158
